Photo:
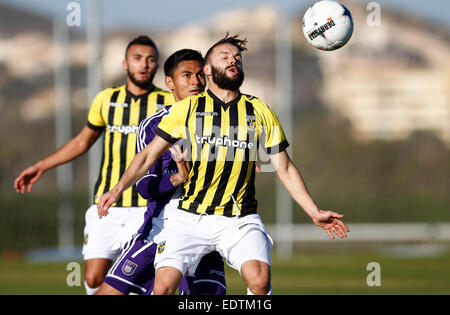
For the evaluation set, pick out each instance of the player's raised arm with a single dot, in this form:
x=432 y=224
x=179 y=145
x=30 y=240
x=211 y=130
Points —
x=291 y=178
x=68 y=152
x=140 y=164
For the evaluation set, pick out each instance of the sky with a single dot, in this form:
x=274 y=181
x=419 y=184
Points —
x=175 y=13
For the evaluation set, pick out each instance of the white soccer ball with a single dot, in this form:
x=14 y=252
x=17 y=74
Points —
x=327 y=25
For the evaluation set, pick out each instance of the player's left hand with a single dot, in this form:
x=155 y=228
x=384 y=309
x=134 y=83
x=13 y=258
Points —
x=105 y=202
x=331 y=223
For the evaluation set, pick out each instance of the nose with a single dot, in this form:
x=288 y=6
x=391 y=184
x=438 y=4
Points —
x=195 y=80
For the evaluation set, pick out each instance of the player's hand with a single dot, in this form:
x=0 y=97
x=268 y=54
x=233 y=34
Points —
x=177 y=154
x=27 y=178
x=105 y=202
x=331 y=223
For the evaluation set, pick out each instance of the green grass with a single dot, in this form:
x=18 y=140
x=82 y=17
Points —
x=303 y=274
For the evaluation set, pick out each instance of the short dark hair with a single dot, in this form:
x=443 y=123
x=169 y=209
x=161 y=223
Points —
x=181 y=55
x=233 y=40
x=141 y=40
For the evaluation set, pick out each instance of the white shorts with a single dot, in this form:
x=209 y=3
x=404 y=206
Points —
x=183 y=238
x=104 y=238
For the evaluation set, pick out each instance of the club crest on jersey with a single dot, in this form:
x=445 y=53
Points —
x=129 y=267
x=251 y=123
x=161 y=247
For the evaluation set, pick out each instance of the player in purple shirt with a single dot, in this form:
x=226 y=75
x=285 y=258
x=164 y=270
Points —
x=133 y=271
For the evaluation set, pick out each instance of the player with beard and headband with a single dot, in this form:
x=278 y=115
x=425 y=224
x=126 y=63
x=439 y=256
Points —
x=218 y=210
x=133 y=271
x=117 y=111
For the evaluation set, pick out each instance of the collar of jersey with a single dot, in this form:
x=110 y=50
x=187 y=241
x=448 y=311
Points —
x=221 y=103
x=138 y=96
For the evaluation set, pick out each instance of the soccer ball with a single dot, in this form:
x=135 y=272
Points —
x=327 y=25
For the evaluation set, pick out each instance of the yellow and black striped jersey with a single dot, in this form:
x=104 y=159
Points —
x=223 y=140
x=119 y=113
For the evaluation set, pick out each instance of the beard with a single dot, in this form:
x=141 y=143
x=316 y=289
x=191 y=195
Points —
x=143 y=84
x=221 y=79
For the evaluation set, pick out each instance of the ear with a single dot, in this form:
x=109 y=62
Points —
x=125 y=65
x=169 y=83
x=207 y=69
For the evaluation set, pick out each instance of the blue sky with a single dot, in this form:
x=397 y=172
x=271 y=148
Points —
x=172 y=13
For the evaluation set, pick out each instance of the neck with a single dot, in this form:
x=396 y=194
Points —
x=224 y=95
x=137 y=90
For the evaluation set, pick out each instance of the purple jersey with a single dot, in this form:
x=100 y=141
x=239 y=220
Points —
x=155 y=185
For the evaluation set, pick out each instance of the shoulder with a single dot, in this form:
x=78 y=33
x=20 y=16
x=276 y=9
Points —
x=150 y=123
x=161 y=92
x=107 y=93
x=186 y=105
x=256 y=103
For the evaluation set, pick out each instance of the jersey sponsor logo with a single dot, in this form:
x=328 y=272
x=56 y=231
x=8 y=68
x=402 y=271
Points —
x=123 y=129
x=114 y=104
x=129 y=268
x=224 y=141
x=169 y=172
x=217 y=272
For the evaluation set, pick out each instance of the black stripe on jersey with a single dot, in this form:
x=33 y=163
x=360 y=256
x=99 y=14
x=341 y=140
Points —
x=124 y=142
x=212 y=161
x=94 y=127
x=249 y=194
x=278 y=148
x=245 y=164
x=111 y=111
x=165 y=136
x=199 y=121
x=142 y=116
x=160 y=99
x=230 y=157
x=188 y=136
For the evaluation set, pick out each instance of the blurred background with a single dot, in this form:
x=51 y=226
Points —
x=369 y=127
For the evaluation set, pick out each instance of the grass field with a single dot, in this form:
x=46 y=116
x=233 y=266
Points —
x=306 y=274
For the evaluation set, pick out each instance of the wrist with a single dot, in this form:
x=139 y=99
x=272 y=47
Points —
x=41 y=166
x=118 y=189
x=313 y=213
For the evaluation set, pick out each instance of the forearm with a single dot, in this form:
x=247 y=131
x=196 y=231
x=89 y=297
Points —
x=139 y=166
x=141 y=163
x=68 y=152
x=71 y=149
x=296 y=187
